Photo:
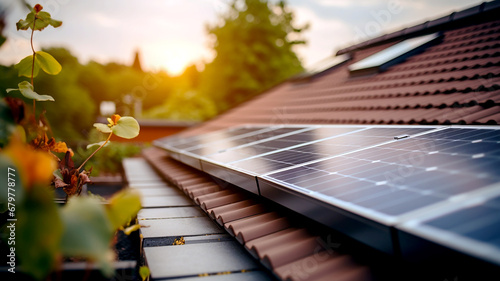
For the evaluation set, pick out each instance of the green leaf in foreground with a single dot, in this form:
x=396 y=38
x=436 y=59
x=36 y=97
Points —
x=24 y=67
x=48 y=63
x=103 y=128
x=126 y=127
x=27 y=91
x=43 y=60
x=46 y=18
x=38 y=232
x=43 y=19
x=122 y=207
x=87 y=232
x=26 y=23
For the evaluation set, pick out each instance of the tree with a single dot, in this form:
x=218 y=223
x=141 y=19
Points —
x=254 y=45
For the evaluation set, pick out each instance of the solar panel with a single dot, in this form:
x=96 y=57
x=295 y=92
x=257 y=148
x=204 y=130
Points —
x=300 y=139
x=365 y=181
x=221 y=146
x=471 y=226
x=341 y=140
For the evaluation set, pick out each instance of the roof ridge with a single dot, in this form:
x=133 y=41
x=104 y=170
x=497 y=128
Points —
x=452 y=20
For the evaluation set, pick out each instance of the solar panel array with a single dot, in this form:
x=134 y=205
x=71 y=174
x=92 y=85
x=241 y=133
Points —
x=367 y=180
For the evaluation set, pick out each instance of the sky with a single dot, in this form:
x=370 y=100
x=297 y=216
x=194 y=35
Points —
x=171 y=34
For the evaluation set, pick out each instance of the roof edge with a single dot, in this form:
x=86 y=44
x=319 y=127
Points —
x=453 y=20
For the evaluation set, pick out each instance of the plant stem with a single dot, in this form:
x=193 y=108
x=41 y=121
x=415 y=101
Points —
x=85 y=162
x=33 y=64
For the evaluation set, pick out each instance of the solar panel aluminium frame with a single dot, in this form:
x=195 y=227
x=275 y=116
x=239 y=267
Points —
x=363 y=226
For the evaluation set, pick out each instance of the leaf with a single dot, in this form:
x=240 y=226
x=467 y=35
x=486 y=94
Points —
x=48 y=63
x=24 y=67
x=126 y=127
x=27 y=23
x=98 y=144
x=45 y=17
x=131 y=229
x=144 y=272
x=38 y=232
x=123 y=206
x=43 y=60
x=87 y=232
x=26 y=90
x=103 y=128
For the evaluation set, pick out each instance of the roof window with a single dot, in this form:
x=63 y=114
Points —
x=320 y=67
x=393 y=55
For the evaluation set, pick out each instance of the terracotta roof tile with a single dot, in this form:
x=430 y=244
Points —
x=236 y=211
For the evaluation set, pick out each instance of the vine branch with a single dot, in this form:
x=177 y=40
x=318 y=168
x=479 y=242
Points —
x=99 y=148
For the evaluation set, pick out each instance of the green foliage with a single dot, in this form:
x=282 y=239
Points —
x=87 y=231
x=38 y=227
x=254 y=46
x=122 y=207
x=84 y=227
x=126 y=127
x=43 y=60
x=43 y=19
x=187 y=105
x=28 y=92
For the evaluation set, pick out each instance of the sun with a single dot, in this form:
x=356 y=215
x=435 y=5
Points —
x=172 y=56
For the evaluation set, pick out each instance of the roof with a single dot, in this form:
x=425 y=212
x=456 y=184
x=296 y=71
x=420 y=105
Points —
x=456 y=81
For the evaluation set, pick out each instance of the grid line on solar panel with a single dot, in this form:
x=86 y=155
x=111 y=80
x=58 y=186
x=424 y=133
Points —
x=281 y=143
x=401 y=176
x=227 y=145
x=336 y=145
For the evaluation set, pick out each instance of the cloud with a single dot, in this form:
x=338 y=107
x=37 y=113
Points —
x=103 y=20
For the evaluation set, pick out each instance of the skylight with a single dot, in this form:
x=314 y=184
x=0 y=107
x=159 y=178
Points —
x=392 y=55
x=322 y=66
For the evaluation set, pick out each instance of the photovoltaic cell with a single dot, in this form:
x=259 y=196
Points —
x=280 y=143
x=402 y=176
x=337 y=144
x=220 y=146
